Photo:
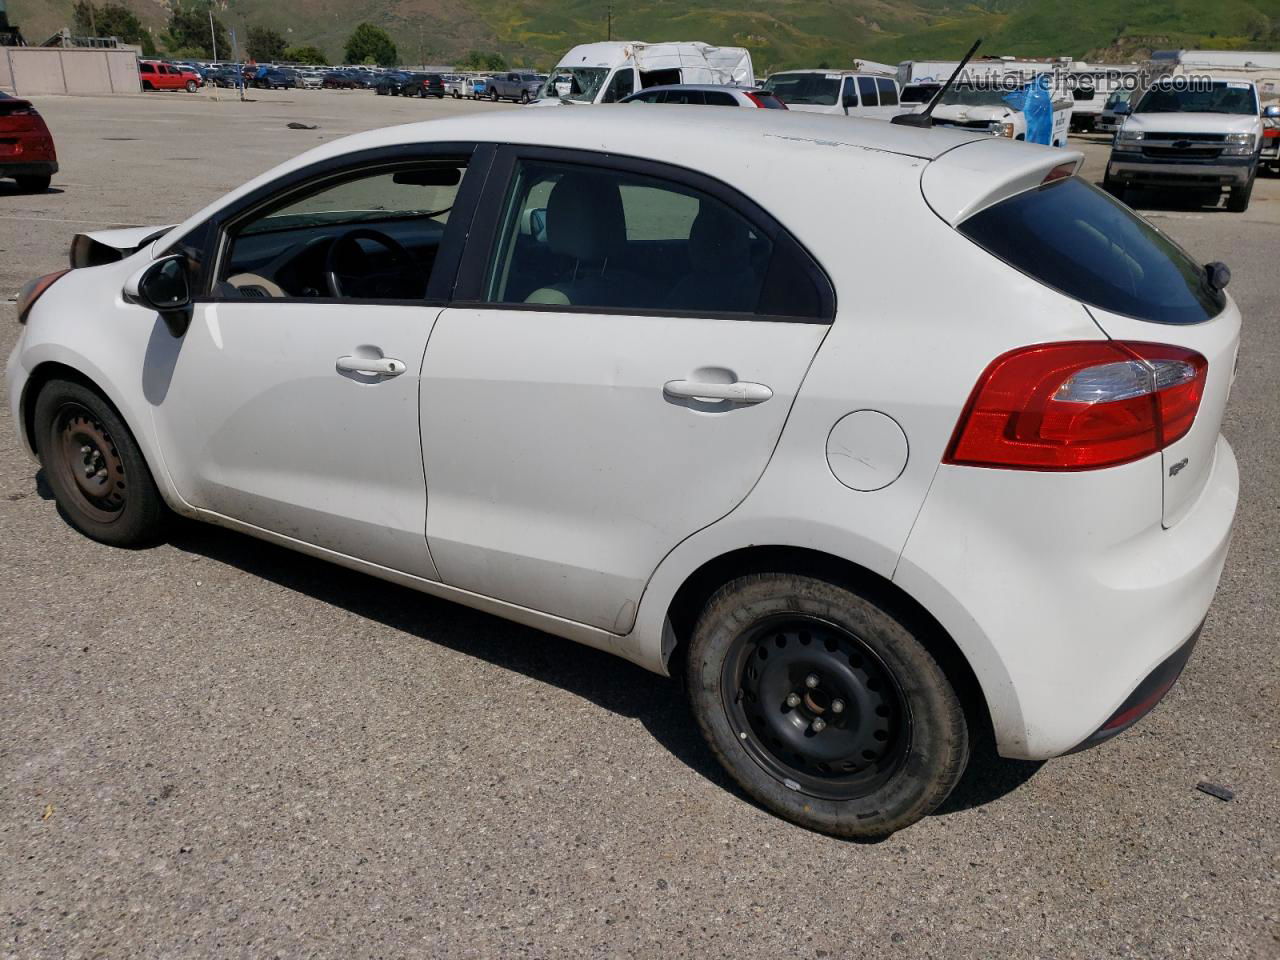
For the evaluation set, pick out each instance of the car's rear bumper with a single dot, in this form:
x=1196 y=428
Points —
x=1064 y=592
x=1144 y=697
x=1132 y=167
x=29 y=168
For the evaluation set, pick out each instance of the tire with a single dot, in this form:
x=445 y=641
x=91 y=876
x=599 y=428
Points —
x=1238 y=198
x=120 y=505
x=192 y=86
x=524 y=96
x=493 y=96
x=146 y=85
x=34 y=184
x=380 y=91
x=457 y=95
x=887 y=754
x=422 y=93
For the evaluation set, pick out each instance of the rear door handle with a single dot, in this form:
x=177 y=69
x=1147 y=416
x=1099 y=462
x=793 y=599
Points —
x=739 y=391
x=379 y=366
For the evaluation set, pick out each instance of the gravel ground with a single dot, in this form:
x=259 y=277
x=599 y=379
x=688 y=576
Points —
x=217 y=748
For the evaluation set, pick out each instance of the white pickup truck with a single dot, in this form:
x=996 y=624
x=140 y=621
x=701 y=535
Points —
x=1194 y=133
x=982 y=106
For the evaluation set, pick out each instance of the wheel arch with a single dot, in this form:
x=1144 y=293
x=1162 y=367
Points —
x=698 y=587
x=48 y=370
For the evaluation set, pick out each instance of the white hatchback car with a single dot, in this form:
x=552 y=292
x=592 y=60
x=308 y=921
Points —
x=645 y=393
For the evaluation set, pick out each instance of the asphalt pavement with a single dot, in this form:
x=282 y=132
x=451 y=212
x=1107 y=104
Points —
x=218 y=748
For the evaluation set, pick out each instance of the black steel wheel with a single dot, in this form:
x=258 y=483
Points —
x=92 y=461
x=815 y=706
x=824 y=705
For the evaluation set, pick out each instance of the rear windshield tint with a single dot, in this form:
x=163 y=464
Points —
x=1073 y=237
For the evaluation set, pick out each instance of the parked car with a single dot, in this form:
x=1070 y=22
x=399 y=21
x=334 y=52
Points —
x=479 y=86
x=1200 y=136
x=390 y=83
x=619 y=377
x=1108 y=120
x=27 y=153
x=520 y=87
x=424 y=85
x=456 y=86
x=707 y=94
x=157 y=75
x=271 y=78
x=338 y=80
x=189 y=72
x=310 y=79
x=843 y=92
x=230 y=76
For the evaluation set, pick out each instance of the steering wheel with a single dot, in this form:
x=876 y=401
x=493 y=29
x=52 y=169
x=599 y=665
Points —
x=342 y=282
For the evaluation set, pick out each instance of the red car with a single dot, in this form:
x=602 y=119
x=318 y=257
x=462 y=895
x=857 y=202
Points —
x=156 y=75
x=26 y=146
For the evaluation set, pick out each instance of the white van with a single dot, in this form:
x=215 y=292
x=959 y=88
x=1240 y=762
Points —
x=849 y=92
x=607 y=72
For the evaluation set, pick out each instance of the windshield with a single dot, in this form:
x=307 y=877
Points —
x=971 y=96
x=1218 y=97
x=817 y=89
x=574 y=83
x=1119 y=97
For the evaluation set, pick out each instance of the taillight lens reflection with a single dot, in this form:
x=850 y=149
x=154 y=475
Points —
x=1079 y=406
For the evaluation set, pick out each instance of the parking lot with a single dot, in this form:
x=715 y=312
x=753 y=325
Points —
x=220 y=748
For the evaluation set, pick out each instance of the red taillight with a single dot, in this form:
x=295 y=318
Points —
x=1079 y=405
x=32 y=292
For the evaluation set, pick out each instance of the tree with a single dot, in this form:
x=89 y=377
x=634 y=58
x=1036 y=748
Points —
x=111 y=20
x=264 y=44
x=306 y=54
x=189 y=30
x=477 y=62
x=368 y=42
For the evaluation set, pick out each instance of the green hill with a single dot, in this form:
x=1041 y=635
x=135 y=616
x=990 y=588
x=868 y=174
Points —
x=780 y=33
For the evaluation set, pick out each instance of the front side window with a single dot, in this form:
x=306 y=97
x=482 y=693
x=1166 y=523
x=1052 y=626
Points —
x=867 y=89
x=578 y=236
x=1074 y=238
x=622 y=84
x=369 y=236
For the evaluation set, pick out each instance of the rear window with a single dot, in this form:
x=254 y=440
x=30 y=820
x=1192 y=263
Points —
x=1073 y=237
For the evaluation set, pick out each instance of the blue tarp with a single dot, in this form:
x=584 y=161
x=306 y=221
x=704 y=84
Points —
x=1035 y=100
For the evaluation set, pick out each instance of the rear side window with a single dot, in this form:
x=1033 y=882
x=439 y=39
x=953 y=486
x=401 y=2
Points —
x=588 y=238
x=888 y=93
x=867 y=87
x=1073 y=237
x=717 y=99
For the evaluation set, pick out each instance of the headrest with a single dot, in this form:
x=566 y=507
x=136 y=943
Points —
x=719 y=240
x=584 y=217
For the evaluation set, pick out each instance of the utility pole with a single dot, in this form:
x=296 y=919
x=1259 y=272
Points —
x=213 y=36
x=93 y=21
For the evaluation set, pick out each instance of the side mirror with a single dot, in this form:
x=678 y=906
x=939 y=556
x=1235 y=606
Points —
x=1121 y=109
x=163 y=286
x=1272 y=111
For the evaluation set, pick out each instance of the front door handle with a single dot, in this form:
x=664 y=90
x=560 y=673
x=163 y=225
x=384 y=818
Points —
x=739 y=391
x=378 y=366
